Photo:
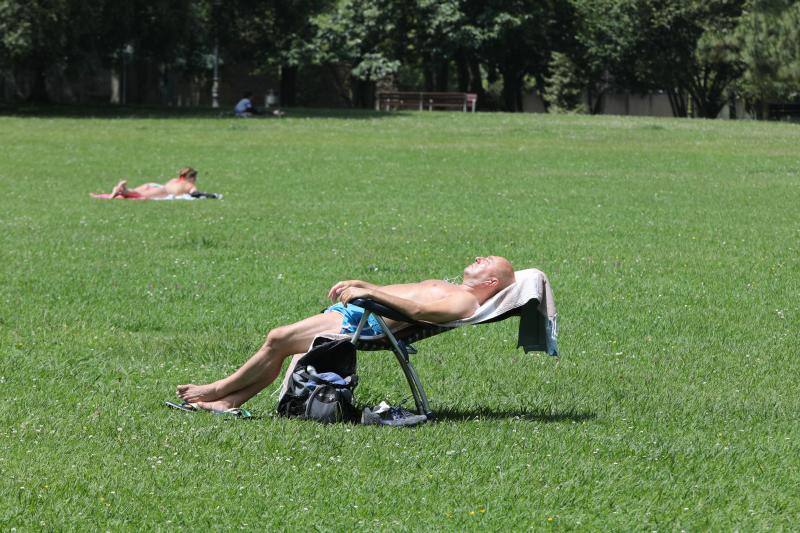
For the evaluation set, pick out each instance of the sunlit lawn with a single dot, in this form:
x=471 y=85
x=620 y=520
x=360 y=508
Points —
x=672 y=246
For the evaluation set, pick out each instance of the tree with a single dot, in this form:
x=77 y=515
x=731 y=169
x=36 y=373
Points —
x=518 y=38
x=164 y=38
x=35 y=35
x=769 y=38
x=687 y=47
x=564 y=87
x=681 y=47
x=604 y=52
x=276 y=34
x=435 y=31
x=50 y=37
x=360 y=35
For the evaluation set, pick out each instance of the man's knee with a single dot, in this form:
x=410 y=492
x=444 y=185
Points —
x=278 y=337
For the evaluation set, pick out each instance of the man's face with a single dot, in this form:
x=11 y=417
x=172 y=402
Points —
x=481 y=268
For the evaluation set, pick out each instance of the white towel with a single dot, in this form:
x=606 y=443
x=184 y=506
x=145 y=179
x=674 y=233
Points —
x=538 y=327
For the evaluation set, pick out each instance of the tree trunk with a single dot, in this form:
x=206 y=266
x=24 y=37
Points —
x=476 y=82
x=475 y=78
x=427 y=72
x=116 y=86
x=540 y=84
x=709 y=108
x=732 y=107
x=288 y=86
x=344 y=94
x=462 y=69
x=143 y=80
x=708 y=100
x=38 y=92
x=511 y=91
x=363 y=93
x=596 y=101
x=442 y=74
x=677 y=102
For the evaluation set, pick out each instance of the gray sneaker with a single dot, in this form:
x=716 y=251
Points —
x=394 y=416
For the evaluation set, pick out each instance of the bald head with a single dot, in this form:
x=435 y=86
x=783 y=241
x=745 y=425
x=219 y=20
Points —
x=504 y=273
x=489 y=275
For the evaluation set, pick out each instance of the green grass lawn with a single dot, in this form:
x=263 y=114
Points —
x=672 y=247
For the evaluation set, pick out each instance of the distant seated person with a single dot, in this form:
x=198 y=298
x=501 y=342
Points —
x=183 y=184
x=245 y=107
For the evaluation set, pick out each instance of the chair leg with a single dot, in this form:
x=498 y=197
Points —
x=417 y=390
x=420 y=398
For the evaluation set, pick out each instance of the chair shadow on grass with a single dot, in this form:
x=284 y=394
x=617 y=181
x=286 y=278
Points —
x=536 y=415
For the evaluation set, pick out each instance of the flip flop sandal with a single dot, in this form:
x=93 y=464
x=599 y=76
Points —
x=235 y=412
x=183 y=406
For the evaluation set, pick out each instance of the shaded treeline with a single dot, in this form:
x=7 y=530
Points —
x=701 y=53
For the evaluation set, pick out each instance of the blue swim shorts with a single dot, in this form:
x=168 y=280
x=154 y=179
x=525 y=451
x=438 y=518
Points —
x=351 y=316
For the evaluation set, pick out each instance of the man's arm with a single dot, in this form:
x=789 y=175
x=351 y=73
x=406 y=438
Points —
x=453 y=307
x=337 y=289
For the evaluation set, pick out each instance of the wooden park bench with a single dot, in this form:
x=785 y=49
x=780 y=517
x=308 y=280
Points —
x=423 y=101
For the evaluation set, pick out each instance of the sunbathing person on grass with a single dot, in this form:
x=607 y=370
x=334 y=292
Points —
x=434 y=301
x=183 y=184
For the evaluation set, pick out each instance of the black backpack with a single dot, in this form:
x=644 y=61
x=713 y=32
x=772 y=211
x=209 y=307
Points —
x=314 y=394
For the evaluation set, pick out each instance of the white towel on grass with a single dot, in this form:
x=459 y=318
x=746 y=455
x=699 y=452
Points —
x=181 y=197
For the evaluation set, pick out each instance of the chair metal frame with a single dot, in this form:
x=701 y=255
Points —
x=402 y=347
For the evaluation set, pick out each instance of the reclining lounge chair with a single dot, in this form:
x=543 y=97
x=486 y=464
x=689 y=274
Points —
x=530 y=298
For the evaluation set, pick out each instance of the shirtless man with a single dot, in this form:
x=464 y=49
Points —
x=428 y=301
x=183 y=184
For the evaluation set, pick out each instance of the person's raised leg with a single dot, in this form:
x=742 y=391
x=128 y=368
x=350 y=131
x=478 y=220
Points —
x=263 y=367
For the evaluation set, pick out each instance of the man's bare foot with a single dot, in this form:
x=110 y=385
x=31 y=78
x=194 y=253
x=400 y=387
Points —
x=120 y=189
x=197 y=393
x=219 y=405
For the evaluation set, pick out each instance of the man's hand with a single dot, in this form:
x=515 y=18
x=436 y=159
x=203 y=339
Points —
x=337 y=289
x=352 y=292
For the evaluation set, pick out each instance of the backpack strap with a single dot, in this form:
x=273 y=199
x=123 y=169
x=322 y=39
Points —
x=322 y=381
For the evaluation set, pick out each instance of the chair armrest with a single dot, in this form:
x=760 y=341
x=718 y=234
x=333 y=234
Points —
x=382 y=310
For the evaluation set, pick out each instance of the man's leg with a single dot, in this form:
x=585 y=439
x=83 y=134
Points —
x=263 y=367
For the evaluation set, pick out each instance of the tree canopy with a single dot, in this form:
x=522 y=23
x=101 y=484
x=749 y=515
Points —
x=701 y=53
